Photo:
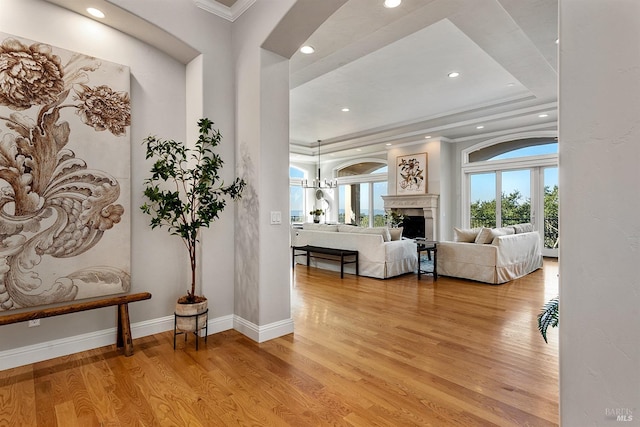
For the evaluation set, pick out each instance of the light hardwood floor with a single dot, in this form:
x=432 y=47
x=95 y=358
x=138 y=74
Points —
x=365 y=352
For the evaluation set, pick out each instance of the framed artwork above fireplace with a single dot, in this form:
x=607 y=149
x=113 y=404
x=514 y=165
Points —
x=411 y=174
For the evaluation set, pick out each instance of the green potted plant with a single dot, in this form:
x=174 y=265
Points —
x=316 y=214
x=185 y=194
x=394 y=219
x=549 y=316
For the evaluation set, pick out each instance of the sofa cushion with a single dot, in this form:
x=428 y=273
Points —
x=486 y=235
x=319 y=227
x=396 y=233
x=523 y=228
x=383 y=231
x=467 y=235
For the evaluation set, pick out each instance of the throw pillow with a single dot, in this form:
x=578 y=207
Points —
x=344 y=228
x=523 y=228
x=467 y=235
x=484 y=236
x=503 y=230
x=396 y=233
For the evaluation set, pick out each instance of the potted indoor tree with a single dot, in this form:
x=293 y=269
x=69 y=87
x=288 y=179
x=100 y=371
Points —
x=185 y=194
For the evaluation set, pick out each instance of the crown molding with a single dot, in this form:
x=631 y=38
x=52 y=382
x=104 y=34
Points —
x=229 y=13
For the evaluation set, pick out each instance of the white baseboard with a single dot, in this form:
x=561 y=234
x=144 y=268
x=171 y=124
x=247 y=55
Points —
x=263 y=333
x=63 y=347
x=51 y=349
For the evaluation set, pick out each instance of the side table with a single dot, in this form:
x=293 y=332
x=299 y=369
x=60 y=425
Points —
x=431 y=248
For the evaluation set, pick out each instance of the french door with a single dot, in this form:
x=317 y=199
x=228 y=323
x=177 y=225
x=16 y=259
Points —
x=511 y=196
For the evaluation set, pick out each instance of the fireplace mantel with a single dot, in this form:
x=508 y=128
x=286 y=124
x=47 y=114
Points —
x=417 y=201
x=417 y=204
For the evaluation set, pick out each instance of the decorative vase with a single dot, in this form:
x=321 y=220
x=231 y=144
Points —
x=316 y=219
x=188 y=323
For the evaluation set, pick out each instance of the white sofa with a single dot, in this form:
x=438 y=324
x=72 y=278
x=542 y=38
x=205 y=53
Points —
x=379 y=255
x=497 y=256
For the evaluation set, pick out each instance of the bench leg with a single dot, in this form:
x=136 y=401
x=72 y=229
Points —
x=123 y=339
x=342 y=266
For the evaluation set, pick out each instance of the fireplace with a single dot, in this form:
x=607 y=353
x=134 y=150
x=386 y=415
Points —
x=418 y=208
x=414 y=226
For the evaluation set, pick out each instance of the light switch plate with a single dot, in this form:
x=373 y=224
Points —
x=276 y=217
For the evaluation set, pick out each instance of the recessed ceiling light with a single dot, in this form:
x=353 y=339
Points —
x=427 y=137
x=388 y=144
x=307 y=49
x=480 y=127
x=390 y=4
x=453 y=74
x=543 y=115
x=95 y=12
x=358 y=149
x=511 y=84
x=345 y=110
x=557 y=41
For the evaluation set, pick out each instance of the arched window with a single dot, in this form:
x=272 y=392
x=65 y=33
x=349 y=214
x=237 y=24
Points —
x=361 y=186
x=512 y=149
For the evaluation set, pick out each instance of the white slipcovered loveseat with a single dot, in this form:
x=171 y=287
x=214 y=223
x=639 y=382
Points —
x=491 y=255
x=382 y=252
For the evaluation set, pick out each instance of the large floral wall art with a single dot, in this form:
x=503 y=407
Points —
x=64 y=175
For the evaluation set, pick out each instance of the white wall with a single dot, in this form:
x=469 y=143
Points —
x=262 y=104
x=447 y=190
x=153 y=95
x=599 y=138
x=211 y=74
x=159 y=99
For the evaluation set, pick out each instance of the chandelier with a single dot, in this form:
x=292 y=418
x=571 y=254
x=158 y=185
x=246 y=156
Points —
x=317 y=182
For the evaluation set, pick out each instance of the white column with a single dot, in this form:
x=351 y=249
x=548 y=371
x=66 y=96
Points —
x=599 y=140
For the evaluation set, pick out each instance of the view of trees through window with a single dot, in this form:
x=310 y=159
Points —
x=516 y=209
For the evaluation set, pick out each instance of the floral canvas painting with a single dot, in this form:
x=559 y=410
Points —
x=411 y=175
x=64 y=175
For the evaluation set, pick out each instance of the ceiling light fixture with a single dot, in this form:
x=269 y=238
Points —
x=390 y=4
x=543 y=115
x=345 y=110
x=480 y=127
x=307 y=49
x=388 y=144
x=453 y=74
x=427 y=137
x=317 y=183
x=95 y=12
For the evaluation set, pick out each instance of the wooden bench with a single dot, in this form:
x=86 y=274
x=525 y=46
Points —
x=123 y=340
x=342 y=253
